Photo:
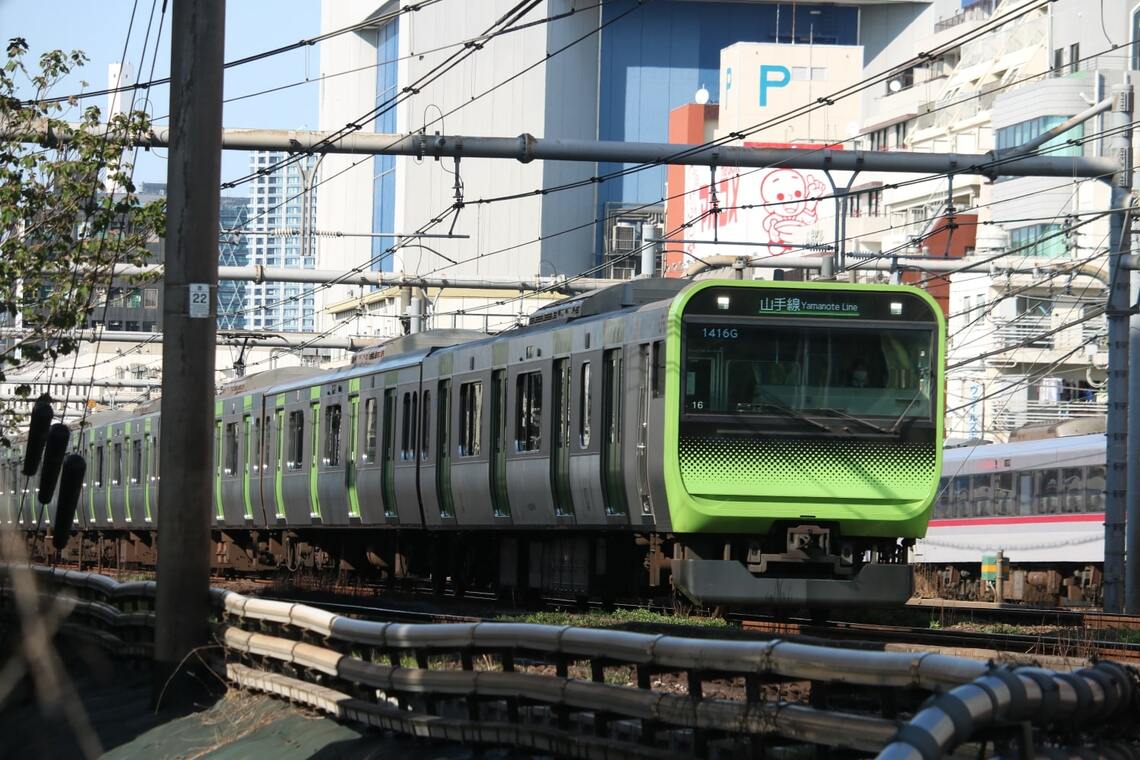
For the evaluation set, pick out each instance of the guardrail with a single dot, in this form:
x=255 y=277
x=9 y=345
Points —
x=423 y=679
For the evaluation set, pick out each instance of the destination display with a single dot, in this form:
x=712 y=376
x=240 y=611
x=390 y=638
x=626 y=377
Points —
x=835 y=304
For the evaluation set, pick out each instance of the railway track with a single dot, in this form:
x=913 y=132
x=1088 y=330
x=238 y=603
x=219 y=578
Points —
x=1080 y=634
x=1073 y=643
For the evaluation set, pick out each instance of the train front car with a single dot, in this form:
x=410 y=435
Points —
x=803 y=440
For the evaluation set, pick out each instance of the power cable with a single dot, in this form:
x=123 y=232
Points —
x=370 y=22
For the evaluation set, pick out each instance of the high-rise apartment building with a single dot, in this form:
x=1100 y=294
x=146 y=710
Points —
x=233 y=251
x=281 y=210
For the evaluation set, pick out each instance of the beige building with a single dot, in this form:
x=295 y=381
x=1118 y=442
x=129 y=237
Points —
x=761 y=83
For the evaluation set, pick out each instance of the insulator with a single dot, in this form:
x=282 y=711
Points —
x=70 y=485
x=37 y=435
x=56 y=449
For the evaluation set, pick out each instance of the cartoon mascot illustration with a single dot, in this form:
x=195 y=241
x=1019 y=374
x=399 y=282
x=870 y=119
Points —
x=790 y=199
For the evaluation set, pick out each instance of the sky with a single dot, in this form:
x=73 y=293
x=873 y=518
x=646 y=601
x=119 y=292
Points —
x=100 y=29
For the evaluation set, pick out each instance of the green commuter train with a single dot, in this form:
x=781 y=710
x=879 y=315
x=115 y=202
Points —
x=747 y=443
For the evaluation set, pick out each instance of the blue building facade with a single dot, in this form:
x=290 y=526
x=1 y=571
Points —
x=656 y=58
x=384 y=167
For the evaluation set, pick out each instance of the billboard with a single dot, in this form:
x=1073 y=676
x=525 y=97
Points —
x=774 y=210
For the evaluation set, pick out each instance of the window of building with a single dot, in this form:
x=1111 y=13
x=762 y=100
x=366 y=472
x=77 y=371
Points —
x=296 y=450
x=1038 y=240
x=528 y=411
x=1135 y=35
x=332 y=435
x=470 y=418
x=1023 y=132
x=1074 y=57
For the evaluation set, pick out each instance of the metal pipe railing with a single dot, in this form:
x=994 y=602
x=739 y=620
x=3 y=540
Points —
x=972 y=696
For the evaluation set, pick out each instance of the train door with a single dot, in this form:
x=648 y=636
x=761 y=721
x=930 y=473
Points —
x=645 y=360
x=315 y=459
x=245 y=465
x=499 y=443
x=216 y=473
x=388 y=456
x=443 y=450
x=255 y=460
x=350 y=458
x=612 y=459
x=560 y=440
x=279 y=461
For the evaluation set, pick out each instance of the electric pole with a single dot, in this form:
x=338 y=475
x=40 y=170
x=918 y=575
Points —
x=190 y=332
x=1121 y=476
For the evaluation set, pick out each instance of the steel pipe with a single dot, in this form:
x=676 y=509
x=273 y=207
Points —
x=259 y=274
x=526 y=148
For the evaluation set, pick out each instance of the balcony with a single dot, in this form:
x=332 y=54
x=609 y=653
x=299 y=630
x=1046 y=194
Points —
x=1024 y=332
x=1041 y=412
x=979 y=11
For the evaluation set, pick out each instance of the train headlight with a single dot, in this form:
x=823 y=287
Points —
x=722 y=302
x=896 y=308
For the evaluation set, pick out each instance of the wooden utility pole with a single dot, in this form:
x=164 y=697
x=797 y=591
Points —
x=190 y=332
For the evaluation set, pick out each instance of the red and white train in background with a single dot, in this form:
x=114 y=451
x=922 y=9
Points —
x=1039 y=502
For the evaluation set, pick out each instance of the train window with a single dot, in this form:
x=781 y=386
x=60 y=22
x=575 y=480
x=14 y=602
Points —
x=388 y=453
x=136 y=461
x=470 y=418
x=117 y=465
x=231 y=448
x=983 y=494
x=443 y=418
x=154 y=459
x=658 y=368
x=1025 y=493
x=960 y=495
x=257 y=446
x=405 y=436
x=332 y=435
x=1073 y=489
x=528 y=411
x=1005 y=494
x=369 y=431
x=1048 y=490
x=443 y=450
x=585 y=407
x=425 y=431
x=414 y=427
x=612 y=460
x=945 y=498
x=1094 y=489
x=98 y=467
x=296 y=440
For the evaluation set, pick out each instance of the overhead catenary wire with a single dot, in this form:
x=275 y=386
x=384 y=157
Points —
x=384 y=254
x=1003 y=20
x=152 y=82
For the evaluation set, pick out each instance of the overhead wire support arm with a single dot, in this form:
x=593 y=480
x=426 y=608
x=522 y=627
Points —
x=526 y=148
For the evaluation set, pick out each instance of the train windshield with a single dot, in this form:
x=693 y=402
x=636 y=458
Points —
x=768 y=367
